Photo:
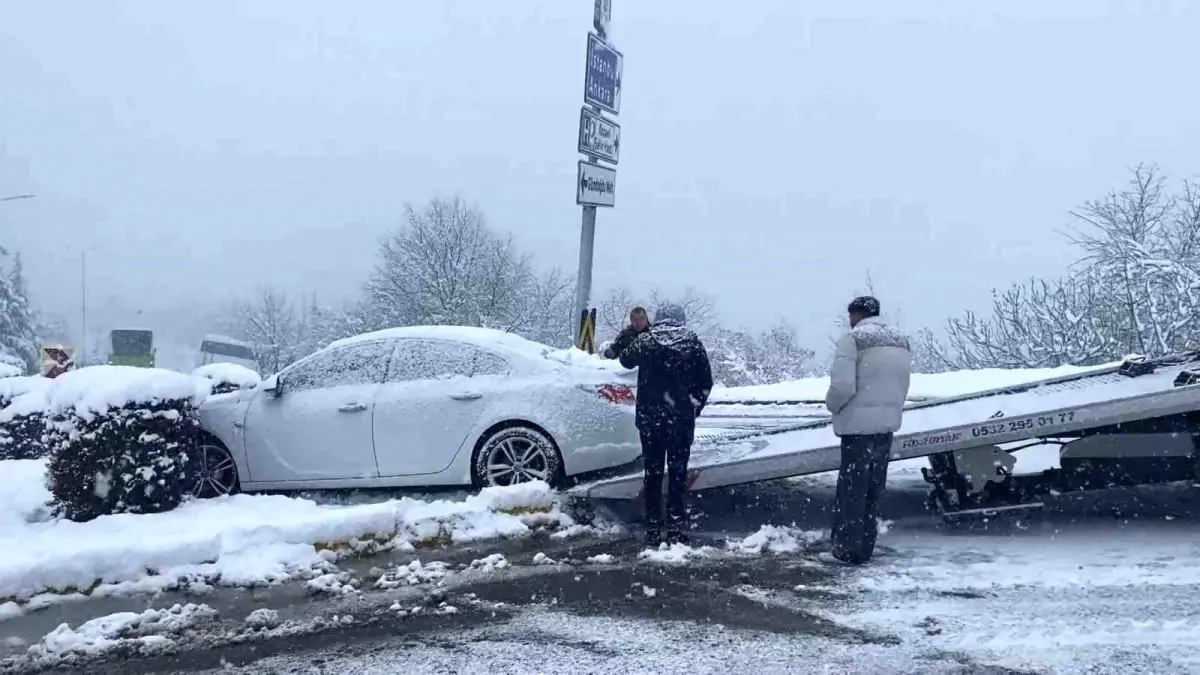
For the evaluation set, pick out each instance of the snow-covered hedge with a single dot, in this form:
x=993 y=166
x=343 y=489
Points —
x=22 y=426
x=122 y=440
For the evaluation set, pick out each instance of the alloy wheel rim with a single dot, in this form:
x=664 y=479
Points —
x=517 y=460
x=217 y=472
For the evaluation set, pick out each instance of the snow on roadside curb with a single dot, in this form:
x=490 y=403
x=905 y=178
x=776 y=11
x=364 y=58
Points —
x=237 y=541
x=108 y=632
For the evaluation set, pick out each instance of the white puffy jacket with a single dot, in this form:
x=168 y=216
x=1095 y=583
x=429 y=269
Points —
x=869 y=379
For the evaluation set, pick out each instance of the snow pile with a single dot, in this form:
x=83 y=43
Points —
x=15 y=388
x=413 y=574
x=775 y=539
x=490 y=563
x=577 y=358
x=263 y=618
x=23 y=493
x=923 y=386
x=238 y=377
x=675 y=554
x=232 y=541
x=10 y=370
x=123 y=629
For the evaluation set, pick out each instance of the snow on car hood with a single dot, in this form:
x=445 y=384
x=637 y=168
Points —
x=238 y=375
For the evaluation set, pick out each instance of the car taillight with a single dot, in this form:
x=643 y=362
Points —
x=617 y=394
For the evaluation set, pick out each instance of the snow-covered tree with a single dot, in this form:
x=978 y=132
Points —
x=1135 y=289
x=273 y=326
x=545 y=309
x=1036 y=324
x=18 y=342
x=445 y=266
x=1143 y=245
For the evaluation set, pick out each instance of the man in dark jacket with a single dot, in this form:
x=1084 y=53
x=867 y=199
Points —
x=638 y=323
x=674 y=381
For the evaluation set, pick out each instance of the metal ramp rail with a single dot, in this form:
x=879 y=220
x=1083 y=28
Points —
x=1136 y=390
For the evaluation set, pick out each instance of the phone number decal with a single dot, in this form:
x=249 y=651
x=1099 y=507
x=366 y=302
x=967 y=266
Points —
x=1022 y=424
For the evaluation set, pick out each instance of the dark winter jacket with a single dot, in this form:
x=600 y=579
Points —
x=674 y=375
x=621 y=342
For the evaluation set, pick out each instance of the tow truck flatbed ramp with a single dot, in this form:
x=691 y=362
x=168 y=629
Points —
x=1135 y=390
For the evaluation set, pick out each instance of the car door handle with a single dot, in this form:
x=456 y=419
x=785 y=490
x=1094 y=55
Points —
x=466 y=397
x=353 y=407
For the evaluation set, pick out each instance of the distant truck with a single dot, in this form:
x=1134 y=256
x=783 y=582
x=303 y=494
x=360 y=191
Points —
x=131 y=348
x=221 y=349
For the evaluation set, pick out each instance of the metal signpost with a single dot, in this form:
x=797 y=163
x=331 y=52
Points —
x=599 y=140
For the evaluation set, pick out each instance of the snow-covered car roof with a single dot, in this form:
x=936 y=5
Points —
x=498 y=340
x=480 y=337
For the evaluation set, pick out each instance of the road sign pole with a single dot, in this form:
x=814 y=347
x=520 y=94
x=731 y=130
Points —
x=583 y=284
x=605 y=193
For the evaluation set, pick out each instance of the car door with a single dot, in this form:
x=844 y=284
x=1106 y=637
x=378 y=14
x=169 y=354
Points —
x=430 y=401
x=317 y=426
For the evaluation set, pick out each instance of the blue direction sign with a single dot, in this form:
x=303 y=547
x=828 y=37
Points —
x=602 y=78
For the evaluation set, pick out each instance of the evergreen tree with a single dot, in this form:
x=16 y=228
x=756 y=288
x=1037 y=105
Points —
x=18 y=344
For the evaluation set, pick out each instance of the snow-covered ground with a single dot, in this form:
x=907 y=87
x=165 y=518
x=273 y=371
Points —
x=234 y=541
x=923 y=385
x=1113 y=598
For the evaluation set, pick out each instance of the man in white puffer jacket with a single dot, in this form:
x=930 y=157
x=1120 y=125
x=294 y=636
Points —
x=868 y=385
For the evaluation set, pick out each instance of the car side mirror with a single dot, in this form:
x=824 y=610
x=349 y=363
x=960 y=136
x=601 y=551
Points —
x=273 y=385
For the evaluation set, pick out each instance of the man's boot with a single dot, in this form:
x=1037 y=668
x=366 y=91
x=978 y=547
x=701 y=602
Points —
x=653 y=536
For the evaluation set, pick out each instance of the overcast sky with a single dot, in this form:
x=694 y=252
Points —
x=772 y=150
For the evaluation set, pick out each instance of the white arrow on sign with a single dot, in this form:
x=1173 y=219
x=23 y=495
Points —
x=599 y=137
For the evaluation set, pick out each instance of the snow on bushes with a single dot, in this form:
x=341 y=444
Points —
x=22 y=426
x=122 y=440
x=227 y=377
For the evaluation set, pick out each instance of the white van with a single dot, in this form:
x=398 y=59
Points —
x=221 y=349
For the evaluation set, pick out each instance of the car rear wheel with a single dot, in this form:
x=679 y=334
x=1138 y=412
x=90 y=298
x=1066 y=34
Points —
x=217 y=471
x=517 y=454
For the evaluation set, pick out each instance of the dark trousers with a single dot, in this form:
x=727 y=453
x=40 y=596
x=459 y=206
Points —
x=666 y=449
x=860 y=484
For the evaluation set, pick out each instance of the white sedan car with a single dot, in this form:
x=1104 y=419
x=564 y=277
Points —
x=421 y=406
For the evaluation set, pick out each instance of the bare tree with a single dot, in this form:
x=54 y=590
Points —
x=1037 y=324
x=1141 y=245
x=445 y=266
x=271 y=324
x=612 y=313
x=699 y=307
x=546 y=304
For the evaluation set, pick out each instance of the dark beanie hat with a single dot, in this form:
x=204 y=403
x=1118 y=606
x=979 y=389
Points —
x=865 y=305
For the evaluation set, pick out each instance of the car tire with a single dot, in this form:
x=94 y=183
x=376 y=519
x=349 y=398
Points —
x=529 y=454
x=217 y=472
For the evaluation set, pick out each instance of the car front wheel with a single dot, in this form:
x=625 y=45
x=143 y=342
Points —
x=515 y=455
x=218 y=474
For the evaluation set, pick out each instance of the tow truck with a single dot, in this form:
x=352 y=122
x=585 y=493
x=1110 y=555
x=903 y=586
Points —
x=1136 y=423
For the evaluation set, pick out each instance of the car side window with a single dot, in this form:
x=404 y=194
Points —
x=436 y=360
x=355 y=364
x=487 y=363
